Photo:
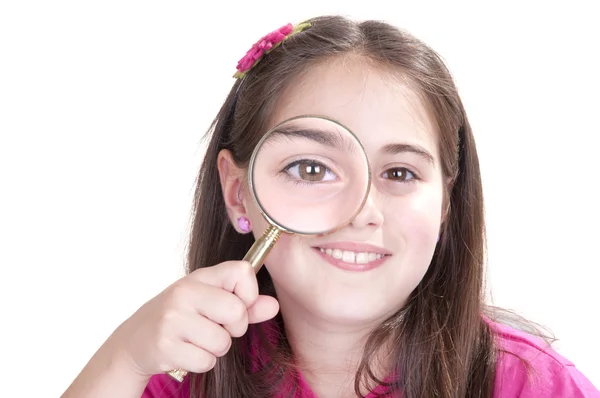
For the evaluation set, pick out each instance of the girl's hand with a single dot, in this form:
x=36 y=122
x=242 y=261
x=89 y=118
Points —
x=190 y=324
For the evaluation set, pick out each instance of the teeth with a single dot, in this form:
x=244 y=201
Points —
x=348 y=257
x=351 y=257
x=362 y=258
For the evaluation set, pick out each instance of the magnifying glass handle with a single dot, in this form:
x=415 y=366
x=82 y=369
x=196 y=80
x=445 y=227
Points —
x=261 y=248
x=255 y=256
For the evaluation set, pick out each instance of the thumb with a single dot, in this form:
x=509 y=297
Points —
x=263 y=309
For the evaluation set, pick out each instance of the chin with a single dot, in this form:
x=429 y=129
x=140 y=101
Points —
x=356 y=310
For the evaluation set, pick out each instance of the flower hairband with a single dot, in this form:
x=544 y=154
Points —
x=265 y=45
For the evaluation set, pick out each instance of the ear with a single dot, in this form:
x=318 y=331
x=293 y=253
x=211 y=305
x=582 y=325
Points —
x=232 y=178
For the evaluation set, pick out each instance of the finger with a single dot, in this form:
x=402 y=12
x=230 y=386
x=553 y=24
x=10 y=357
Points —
x=265 y=308
x=206 y=334
x=189 y=357
x=221 y=307
x=237 y=277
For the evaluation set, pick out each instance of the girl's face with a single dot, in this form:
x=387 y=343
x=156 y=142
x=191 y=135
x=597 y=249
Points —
x=401 y=219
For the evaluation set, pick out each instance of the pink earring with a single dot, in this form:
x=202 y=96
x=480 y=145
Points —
x=244 y=224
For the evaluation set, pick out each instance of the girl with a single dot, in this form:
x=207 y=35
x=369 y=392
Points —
x=413 y=325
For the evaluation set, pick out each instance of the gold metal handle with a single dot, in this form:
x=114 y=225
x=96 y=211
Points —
x=256 y=257
x=177 y=374
x=261 y=248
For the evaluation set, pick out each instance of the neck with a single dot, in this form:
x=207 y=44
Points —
x=329 y=355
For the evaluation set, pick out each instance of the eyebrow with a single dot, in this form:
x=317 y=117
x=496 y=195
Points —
x=332 y=139
x=395 y=149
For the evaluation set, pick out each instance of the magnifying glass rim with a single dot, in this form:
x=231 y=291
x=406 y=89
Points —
x=251 y=184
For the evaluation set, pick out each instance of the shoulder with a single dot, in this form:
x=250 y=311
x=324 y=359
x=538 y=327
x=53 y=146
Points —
x=163 y=386
x=529 y=367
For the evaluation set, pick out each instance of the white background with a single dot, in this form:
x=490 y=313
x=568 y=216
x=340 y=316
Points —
x=103 y=104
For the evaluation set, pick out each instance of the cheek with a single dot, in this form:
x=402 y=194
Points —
x=283 y=253
x=288 y=267
x=417 y=217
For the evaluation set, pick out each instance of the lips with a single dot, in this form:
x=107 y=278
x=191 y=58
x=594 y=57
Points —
x=353 y=256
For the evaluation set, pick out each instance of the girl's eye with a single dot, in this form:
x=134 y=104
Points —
x=306 y=170
x=400 y=174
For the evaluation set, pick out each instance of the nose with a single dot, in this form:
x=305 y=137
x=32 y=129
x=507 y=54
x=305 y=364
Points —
x=370 y=215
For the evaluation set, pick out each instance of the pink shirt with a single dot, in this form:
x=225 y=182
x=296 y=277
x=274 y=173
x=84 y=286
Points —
x=552 y=376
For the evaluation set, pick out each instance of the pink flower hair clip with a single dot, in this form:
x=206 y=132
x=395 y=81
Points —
x=265 y=45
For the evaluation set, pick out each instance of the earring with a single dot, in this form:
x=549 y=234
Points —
x=244 y=224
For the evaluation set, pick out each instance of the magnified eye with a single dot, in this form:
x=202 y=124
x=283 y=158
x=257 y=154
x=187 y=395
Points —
x=400 y=174
x=308 y=170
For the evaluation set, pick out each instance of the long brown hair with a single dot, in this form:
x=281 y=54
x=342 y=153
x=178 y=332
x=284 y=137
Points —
x=443 y=347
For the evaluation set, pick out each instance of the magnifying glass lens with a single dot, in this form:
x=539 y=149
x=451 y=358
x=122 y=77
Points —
x=310 y=175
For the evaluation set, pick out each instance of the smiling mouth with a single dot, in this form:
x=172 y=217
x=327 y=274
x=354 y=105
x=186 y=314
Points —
x=352 y=257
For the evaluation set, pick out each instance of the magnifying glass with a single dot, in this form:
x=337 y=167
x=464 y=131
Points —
x=309 y=176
